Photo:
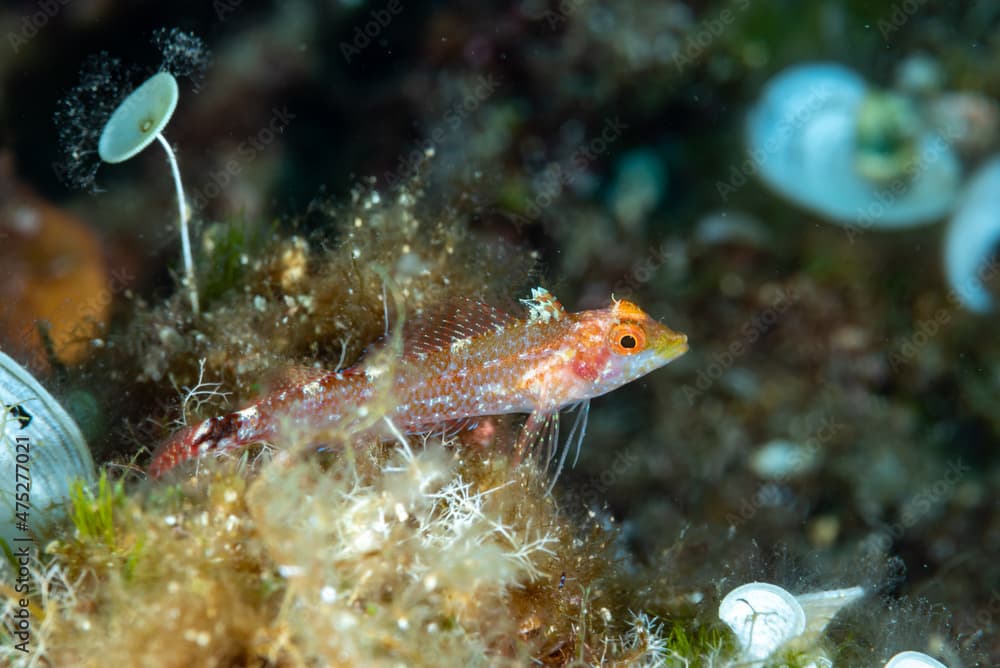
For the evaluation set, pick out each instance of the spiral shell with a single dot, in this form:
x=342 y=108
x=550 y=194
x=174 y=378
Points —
x=41 y=442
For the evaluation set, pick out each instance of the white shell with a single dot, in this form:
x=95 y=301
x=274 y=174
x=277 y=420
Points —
x=822 y=606
x=139 y=118
x=56 y=452
x=972 y=238
x=763 y=616
x=801 y=138
x=912 y=659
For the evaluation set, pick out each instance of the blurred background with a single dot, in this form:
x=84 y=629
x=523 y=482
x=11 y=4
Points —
x=837 y=419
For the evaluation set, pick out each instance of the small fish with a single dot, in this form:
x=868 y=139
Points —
x=473 y=362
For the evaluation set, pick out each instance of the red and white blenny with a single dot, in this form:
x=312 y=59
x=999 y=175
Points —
x=474 y=362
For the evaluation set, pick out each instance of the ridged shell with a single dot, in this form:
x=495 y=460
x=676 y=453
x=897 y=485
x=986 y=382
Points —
x=57 y=452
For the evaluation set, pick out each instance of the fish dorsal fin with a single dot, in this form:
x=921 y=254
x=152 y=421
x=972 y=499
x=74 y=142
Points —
x=450 y=326
x=543 y=306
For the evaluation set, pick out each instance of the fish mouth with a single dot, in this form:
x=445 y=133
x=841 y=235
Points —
x=670 y=345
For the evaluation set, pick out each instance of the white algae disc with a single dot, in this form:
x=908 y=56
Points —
x=41 y=452
x=802 y=137
x=972 y=238
x=763 y=616
x=139 y=118
x=913 y=660
x=822 y=606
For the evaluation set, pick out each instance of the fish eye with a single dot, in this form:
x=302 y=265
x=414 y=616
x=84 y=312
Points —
x=627 y=338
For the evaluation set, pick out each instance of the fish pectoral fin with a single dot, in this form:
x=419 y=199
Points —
x=574 y=440
x=541 y=426
x=448 y=428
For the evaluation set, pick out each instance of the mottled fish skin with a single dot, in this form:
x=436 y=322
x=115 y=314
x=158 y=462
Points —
x=473 y=362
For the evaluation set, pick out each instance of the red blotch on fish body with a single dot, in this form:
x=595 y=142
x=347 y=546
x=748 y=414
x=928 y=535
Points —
x=586 y=369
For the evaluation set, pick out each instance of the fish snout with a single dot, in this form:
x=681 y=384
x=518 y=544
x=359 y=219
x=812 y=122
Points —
x=670 y=345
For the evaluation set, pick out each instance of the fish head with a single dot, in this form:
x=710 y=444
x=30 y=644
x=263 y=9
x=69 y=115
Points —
x=621 y=343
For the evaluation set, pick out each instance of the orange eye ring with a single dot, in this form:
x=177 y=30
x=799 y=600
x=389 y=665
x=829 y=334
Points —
x=627 y=338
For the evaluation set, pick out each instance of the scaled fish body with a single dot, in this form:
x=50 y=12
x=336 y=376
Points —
x=475 y=362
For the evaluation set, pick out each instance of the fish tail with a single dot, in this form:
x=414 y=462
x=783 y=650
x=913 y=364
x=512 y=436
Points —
x=217 y=434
